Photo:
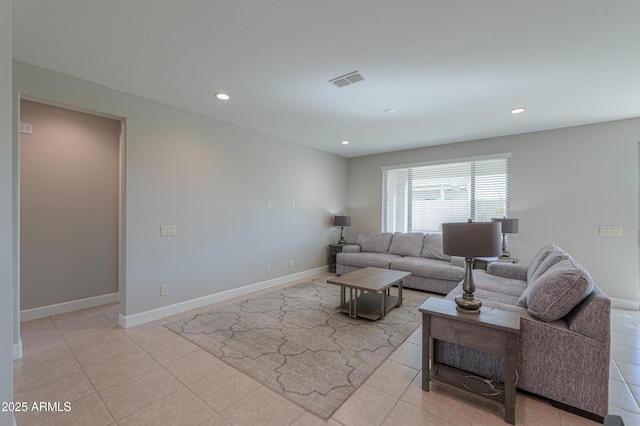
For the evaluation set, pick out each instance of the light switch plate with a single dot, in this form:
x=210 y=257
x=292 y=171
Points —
x=611 y=231
x=168 y=230
x=26 y=128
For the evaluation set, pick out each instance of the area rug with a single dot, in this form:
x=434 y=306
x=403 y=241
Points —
x=294 y=342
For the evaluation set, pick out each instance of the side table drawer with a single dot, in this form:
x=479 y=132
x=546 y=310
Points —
x=465 y=334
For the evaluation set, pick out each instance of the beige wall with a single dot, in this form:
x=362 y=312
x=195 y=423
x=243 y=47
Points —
x=565 y=184
x=69 y=178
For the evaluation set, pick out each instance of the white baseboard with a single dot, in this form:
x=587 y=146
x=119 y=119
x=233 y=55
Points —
x=178 y=308
x=633 y=305
x=74 y=305
x=17 y=350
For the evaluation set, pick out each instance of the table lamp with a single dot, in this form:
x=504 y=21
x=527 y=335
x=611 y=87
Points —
x=509 y=226
x=470 y=240
x=342 y=221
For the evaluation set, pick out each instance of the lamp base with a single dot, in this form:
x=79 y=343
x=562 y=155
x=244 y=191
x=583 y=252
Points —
x=342 y=240
x=505 y=252
x=468 y=305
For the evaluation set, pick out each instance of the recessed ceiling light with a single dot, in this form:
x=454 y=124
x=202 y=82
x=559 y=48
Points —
x=344 y=142
x=222 y=96
x=518 y=110
x=390 y=110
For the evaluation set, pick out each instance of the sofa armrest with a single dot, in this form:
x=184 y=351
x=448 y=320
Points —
x=458 y=261
x=351 y=248
x=508 y=270
x=591 y=317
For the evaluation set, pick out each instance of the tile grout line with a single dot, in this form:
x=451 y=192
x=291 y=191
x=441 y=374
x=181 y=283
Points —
x=83 y=369
x=631 y=319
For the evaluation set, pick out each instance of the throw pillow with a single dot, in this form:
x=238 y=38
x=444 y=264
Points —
x=432 y=248
x=538 y=258
x=556 y=255
x=374 y=242
x=556 y=292
x=407 y=244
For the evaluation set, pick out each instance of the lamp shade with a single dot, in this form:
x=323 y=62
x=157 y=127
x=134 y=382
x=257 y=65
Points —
x=342 y=221
x=472 y=239
x=509 y=225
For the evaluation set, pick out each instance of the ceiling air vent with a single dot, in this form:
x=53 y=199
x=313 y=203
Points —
x=347 y=79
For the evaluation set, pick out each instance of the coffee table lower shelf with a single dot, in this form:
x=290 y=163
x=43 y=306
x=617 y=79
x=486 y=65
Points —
x=369 y=305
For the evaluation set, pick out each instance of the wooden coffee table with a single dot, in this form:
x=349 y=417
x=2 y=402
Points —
x=374 y=285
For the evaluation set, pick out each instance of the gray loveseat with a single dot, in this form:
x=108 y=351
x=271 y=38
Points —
x=564 y=330
x=418 y=253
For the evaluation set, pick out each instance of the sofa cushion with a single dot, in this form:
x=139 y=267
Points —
x=407 y=244
x=350 y=248
x=374 y=242
x=432 y=248
x=538 y=258
x=362 y=260
x=556 y=292
x=428 y=268
x=514 y=271
x=556 y=255
x=497 y=284
x=487 y=297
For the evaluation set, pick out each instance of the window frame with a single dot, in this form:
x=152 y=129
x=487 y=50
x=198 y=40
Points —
x=458 y=162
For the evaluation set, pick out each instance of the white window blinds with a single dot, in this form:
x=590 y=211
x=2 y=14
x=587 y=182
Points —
x=420 y=198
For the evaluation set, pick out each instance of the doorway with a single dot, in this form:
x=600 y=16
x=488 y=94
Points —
x=70 y=209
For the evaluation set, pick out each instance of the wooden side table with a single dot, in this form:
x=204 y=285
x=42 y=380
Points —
x=492 y=330
x=334 y=249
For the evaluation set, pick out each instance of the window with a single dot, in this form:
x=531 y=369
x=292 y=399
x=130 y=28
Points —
x=421 y=197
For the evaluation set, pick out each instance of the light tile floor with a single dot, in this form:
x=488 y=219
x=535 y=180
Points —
x=147 y=375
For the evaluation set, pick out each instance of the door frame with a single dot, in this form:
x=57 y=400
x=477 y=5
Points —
x=121 y=247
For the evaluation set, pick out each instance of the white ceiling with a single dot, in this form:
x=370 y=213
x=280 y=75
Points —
x=452 y=69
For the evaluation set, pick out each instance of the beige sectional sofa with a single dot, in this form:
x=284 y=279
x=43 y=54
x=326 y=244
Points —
x=564 y=316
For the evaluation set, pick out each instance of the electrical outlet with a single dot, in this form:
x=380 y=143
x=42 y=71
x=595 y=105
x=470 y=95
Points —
x=168 y=230
x=164 y=290
x=269 y=205
x=293 y=206
x=291 y=263
x=268 y=268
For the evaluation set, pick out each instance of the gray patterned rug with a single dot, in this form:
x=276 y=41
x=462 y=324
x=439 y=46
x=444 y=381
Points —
x=293 y=341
